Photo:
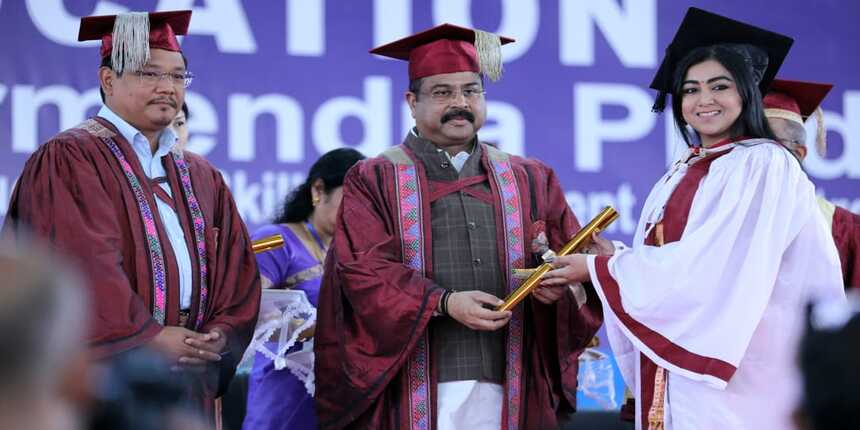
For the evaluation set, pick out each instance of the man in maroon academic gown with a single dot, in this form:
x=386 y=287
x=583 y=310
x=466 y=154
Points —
x=155 y=229
x=427 y=238
x=787 y=106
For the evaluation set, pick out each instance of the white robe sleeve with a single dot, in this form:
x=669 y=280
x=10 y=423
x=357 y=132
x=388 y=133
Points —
x=692 y=306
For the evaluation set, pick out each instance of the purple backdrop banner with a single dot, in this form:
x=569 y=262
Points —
x=279 y=83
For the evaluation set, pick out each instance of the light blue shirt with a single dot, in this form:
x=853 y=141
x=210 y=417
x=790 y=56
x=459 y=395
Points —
x=152 y=168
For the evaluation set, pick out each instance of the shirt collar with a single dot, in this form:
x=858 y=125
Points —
x=437 y=149
x=166 y=140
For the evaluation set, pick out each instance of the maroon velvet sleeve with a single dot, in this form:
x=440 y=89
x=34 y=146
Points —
x=372 y=308
x=846 y=234
x=234 y=279
x=60 y=198
x=574 y=326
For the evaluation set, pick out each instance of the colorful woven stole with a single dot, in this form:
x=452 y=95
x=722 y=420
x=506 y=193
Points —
x=515 y=253
x=410 y=209
x=156 y=253
x=199 y=223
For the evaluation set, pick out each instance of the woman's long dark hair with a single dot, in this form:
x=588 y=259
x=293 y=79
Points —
x=751 y=122
x=331 y=169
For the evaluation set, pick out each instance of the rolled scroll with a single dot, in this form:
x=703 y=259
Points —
x=267 y=243
x=577 y=243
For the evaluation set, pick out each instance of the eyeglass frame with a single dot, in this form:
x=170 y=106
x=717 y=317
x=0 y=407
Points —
x=148 y=77
x=455 y=93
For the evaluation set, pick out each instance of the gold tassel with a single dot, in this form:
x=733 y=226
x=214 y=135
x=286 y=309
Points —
x=219 y=414
x=489 y=48
x=657 y=413
x=130 y=42
x=820 y=133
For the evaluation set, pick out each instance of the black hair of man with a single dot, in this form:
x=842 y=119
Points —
x=106 y=62
x=829 y=363
x=415 y=86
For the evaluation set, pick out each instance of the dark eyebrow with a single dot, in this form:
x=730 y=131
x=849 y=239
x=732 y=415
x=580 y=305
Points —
x=712 y=80
x=440 y=86
x=718 y=78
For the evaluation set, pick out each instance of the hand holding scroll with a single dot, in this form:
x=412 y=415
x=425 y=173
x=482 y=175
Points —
x=600 y=246
x=579 y=241
x=549 y=294
x=468 y=308
x=569 y=269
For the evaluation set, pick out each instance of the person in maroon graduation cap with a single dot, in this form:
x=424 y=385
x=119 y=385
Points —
x=788 y=104
x=427 y=238
x=155 y=229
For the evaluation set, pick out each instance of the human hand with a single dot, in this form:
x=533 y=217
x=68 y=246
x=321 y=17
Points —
x=207 y=349
x=600 y=246
x=549 y=294
x=467 y=307
x=171 y=341
x=569 y=269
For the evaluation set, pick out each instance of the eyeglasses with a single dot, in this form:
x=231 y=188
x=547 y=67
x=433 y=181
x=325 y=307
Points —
x=442 y=95
x=178 y=79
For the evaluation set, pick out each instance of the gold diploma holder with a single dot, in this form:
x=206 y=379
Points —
x=578 y=242
x=267 y=243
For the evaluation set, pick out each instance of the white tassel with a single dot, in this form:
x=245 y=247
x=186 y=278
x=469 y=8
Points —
x=820 y=133
x=489 y=48
x=130 y=42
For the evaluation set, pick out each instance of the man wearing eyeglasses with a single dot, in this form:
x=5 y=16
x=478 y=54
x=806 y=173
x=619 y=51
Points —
x=429 y=233
x=154 y=228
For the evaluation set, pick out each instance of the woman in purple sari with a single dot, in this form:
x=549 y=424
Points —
x=277 y=399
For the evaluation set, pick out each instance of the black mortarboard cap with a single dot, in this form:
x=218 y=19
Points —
x=763 y=49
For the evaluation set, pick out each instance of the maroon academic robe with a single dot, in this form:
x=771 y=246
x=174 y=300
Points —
x=373 y=308
x=846 y=234
x=73 y=193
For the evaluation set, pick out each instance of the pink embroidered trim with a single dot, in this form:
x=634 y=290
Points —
x=410 y=210
x=409 y=200
x=199 y=235
x=156 y=255
x=515 y=240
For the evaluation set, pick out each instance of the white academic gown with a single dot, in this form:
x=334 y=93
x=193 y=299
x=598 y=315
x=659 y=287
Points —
x=722 y=308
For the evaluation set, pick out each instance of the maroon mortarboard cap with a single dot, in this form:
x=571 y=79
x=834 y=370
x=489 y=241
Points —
x=448 y=48
x=795 y=97
x=124 y=32
x=796 y=101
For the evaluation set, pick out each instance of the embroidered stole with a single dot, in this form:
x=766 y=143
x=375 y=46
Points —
x=413 y=199
x=148 y=216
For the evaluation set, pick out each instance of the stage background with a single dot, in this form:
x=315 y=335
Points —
x=281 y=82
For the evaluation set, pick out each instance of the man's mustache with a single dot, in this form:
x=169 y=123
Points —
x=454 y=113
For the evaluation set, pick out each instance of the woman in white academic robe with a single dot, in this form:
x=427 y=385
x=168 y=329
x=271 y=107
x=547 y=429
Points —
x=704 y=310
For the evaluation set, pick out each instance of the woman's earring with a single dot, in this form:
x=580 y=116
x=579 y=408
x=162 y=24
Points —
x=315 y=201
